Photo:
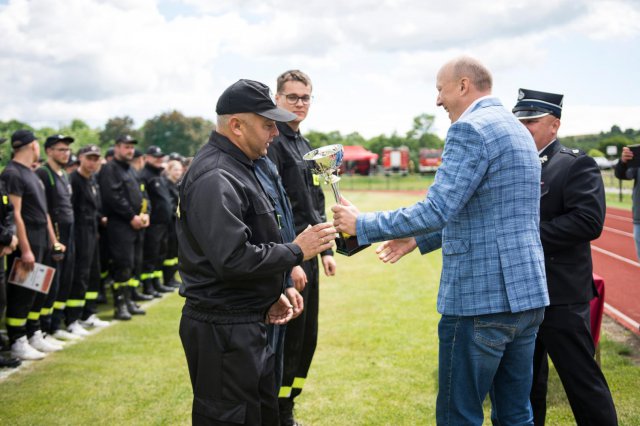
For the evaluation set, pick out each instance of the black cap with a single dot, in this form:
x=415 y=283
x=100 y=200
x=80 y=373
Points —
x=110 y=152
x=533 y=104
x=155 y=151
x=251 y=96
x=89 y=150
x=73 y=159
x=175 y=156
x=55 y=139
x=137 y=153
x=126 y=139
x=22 y=137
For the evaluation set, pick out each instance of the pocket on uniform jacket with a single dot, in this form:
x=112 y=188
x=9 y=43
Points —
x=455 y=247
x=223 y=411
x=262 y=205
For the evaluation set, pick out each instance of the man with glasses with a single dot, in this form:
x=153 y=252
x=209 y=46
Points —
x=307 y=201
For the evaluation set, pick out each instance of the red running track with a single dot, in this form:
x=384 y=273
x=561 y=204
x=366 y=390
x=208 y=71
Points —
x=615 y=260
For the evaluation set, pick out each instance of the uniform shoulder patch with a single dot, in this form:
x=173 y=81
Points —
x=571 y=151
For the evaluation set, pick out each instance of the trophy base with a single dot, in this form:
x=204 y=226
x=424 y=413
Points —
x=349 y=246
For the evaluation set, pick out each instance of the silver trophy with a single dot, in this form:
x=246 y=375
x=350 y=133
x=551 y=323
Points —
x=326 y=164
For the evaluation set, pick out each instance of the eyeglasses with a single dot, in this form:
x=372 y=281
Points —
x=293 y=99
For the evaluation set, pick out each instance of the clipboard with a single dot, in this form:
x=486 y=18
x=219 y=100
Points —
x=39 y=279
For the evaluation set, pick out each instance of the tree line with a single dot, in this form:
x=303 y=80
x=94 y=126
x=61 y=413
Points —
x=174 y=132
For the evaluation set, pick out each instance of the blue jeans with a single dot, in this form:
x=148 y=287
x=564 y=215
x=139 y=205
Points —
x=636 y=237
x=486 y=354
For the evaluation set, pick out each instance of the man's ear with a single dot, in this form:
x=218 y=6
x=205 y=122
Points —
x=464 y=85
x=235 y=124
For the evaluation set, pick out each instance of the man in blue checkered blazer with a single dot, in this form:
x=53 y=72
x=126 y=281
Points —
x=483 y=211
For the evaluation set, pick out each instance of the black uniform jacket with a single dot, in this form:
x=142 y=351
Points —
x=120 y=190
x=85 y=199
x=230 y=256
x=303 y=188
x=572 y=210
x=157 y=190
x=7 y=226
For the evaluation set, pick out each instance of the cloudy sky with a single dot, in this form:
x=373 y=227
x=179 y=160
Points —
x=373 y=62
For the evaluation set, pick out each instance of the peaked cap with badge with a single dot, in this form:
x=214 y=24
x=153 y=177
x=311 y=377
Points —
x=535 y=104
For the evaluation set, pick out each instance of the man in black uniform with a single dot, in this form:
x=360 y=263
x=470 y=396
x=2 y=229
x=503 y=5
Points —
x=8 y=243
x=86 y=211
x=307 y=200
x=123 y=205
x=35 y=237
x=58 y=193
x=572 y=210
x=155 y=240
x=233 y=264
x=174 y=173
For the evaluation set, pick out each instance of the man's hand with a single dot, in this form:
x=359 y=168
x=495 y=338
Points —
x=28 y=263
x=280 y=312
x=329 y=265
x=392 y=251
x=296 y=301
x=316 y=239
x=137 y=222
x=145 y=220
x=14 y=243
x=344 y=217
x=627 y=154
x=299 y=277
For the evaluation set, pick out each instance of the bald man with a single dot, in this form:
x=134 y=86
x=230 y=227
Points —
x=483 y=211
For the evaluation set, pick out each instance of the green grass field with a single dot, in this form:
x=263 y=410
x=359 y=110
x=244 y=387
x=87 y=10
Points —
x=376 y=362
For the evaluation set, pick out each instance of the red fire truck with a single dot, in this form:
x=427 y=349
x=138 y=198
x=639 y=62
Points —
x=395 y=160
x=430 y=160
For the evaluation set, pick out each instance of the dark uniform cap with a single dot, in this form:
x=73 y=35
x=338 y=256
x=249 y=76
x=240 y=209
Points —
x=89 y=150
x=73 y=159
x=22 y=137
x=533 y=104
x=251 y=96
x=155 y=151
x=137 y=153
x=175 y=156
x=126 y=139
x=110 y=152
x=55 y=139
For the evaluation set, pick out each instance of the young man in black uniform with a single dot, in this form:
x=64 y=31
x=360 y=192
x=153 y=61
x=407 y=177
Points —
x=155 y=241
x=8 y=244
x=58 y=193
x=572 y=210
x=35 y=237
x=174 y=173
x=123 y=205
x=86 y=210
x=233 y=264
x=307 y=200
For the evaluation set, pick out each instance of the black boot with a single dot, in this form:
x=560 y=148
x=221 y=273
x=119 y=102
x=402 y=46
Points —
x=157 y=285
x=136 y=296
x=7 y=361
x=132 y=307
x=169 y=276
x=120 y=305
x=147 y=286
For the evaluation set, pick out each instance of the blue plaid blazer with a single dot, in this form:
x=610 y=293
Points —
x=483 y=210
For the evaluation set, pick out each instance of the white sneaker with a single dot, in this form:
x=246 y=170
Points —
x=23 y=350
x=76 y=329
x=65 y=335
x=94 y=321
x=38 y=342
x=49 y=338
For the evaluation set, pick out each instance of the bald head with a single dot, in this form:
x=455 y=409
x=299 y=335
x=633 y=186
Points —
x=460 y=82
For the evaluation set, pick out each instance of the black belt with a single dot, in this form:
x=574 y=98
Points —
x=222 y=317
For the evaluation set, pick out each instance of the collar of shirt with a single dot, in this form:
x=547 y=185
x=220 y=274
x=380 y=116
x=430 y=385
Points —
x=473 y=105
x=287 y=131
x=229 y=147
x=124 y=164
x=546 y=146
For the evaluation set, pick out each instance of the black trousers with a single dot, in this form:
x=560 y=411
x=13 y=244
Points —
x=86 y=244
x=64 y=278
x=20 y=300
x=565 y=334
x=232 y=371
x=155 y=249
x=300 y=340
x=123 y=242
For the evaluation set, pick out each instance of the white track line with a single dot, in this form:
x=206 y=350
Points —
x=615 y=256
x=617 y=231
x=622 y=218
x=616 y=312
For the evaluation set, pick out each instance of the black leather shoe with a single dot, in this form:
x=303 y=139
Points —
x=9 y=362
x=120 y=306
x=139 y=297
x=157 y=286
x=148 y=289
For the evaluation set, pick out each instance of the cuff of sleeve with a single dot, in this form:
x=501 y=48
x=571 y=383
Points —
x=365 y=224
x=297 y=251
x=327 y=253
x=5 y=239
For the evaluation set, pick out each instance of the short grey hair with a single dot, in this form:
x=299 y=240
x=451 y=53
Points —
x=478 y=74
